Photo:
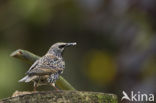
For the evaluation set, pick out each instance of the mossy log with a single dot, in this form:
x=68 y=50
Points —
x=61 y=97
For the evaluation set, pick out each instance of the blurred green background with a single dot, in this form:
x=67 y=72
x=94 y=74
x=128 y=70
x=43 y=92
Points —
x=116 y=42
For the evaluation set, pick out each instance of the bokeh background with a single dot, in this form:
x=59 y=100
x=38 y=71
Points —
x=116 y=42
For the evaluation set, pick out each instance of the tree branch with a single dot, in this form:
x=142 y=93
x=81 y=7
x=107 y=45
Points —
x=30 y=58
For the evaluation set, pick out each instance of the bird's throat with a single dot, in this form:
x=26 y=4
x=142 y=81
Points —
x=57 y=53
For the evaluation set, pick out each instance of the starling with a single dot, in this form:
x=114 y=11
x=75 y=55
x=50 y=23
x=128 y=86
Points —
x=46 y=70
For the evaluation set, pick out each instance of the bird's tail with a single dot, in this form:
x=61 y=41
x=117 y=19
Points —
x=27 y=78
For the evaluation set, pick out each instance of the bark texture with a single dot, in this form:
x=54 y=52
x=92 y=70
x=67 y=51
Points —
x=61 y=97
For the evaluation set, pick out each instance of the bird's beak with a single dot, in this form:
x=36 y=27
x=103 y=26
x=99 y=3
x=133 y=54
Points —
x=71 y=44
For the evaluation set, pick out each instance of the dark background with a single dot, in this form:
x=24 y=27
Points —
x=116 y=42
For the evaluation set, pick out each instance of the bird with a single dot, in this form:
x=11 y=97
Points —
x=47 y=69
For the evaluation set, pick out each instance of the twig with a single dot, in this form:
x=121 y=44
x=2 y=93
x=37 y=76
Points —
x=30 y=58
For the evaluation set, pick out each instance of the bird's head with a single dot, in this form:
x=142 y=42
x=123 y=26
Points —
x=58 y=48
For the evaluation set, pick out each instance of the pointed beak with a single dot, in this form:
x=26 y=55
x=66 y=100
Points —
x=71 y=44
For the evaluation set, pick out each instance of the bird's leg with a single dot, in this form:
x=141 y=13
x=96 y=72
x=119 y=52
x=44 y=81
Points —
x=35 y=86
x=53 y=85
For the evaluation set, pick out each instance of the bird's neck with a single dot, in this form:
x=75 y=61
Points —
x=56 y=53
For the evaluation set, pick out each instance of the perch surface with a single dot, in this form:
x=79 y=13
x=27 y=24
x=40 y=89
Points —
x=60 y=97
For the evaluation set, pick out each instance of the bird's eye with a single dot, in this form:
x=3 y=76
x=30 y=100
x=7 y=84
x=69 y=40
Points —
x=61 y=46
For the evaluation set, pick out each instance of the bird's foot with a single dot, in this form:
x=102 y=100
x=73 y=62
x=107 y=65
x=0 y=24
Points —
x=34 y=90
x=53 y=85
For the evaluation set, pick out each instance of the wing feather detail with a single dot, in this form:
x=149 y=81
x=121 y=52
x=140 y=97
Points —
x=47 y=65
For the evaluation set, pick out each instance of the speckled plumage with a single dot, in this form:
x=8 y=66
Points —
x=47 y=69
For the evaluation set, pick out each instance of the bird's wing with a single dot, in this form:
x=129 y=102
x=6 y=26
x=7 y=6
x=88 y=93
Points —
x=33 y=66
x=48 y=65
